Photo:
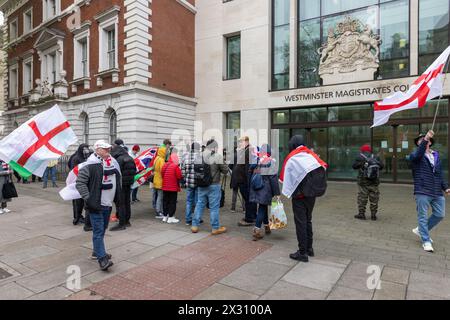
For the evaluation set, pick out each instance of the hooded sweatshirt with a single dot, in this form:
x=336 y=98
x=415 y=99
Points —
x=159 y=163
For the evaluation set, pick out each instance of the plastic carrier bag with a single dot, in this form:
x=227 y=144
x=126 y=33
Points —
x=277 y=216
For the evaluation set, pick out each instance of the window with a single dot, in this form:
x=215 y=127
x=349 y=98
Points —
x=13 y=82
x=233 y=132
x=51 y=8
x=388 y=19
x=112 y=127
x=27 y=75
x=81 y=55
x=433 y=30
x=13 y=30
x=233 y=56
x=85 y=120
x=111 y=49
x=28 y=21
x=280 y=44
x=108 y=44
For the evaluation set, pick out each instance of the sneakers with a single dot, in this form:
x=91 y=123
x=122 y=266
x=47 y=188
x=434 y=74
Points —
x=194 y=229
x=159 y=216
x=87 y=228
x=94 y=256
x=6 y=210
x=428 y=247
x=299 y=257
x=257 y=234
x=105 y=263
x=172 y=220
x=417 y=233
x=1 y=211
x=221 y=230
x=165 y=219
x=244 y=223
x=118 y=227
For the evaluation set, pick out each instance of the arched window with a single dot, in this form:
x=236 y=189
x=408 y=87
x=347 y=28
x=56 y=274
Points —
x=85 y=121
x=112 y=127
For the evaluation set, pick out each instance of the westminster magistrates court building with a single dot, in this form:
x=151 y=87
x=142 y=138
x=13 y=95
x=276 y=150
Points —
x=316 y=67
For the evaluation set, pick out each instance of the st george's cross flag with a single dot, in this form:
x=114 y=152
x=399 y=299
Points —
x=296 y=166
x=43 y=138
x=428 y=86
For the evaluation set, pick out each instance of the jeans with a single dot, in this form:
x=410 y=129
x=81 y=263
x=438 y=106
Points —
x=52 y=172
x=191 y=200
x=134 y=193
x=125 y=206
x=211 y=195
x=154 y=198
x=303 y=209
x=159 y=201
x=263 y=216
x=426 y=224
x=250 y=208
x=99 y=221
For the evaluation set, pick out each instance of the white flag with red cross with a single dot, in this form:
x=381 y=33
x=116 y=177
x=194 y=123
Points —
x=43 y=138
x=428 y=86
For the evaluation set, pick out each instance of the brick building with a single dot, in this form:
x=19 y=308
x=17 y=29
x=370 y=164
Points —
x=117 y=68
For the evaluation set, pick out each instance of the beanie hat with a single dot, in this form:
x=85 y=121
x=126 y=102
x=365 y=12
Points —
x=366 y=148
x=136 y=148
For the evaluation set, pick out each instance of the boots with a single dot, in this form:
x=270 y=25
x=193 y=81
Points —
x=267 y=230
x=257 y=234
x=374 y=216
x=360 y=216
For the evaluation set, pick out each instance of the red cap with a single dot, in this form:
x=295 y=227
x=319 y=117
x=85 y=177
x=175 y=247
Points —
x=136 y=148
x=366 y=148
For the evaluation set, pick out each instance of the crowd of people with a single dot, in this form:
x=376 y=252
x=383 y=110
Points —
x=109 y=172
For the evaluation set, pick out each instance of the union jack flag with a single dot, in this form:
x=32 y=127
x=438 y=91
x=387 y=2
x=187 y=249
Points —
x=146 y=159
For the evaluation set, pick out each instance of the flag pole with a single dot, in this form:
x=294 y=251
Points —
x=442 y=94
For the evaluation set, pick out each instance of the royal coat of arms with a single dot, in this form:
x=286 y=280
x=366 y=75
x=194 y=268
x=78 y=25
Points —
x=351 y=53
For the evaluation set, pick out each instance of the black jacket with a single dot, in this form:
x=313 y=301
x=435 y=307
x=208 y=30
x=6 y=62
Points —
x=126 y=163
x=358 y=164
x=241 y=171
x=78 y=157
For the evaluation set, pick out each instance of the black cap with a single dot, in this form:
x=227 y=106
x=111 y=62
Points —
x=416 y=140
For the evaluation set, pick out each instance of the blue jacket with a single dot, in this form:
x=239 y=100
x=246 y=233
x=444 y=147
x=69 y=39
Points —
x=428 y=180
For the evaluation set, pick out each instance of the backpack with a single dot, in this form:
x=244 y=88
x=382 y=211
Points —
x=202 y=174
x=371 y=169
x=313 y=185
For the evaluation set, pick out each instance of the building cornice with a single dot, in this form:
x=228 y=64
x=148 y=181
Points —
x=188 y=6
x=109 y=13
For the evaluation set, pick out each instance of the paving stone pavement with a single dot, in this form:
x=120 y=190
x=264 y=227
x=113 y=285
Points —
x=38 y=243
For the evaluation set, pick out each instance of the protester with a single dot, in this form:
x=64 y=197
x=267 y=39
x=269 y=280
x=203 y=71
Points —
x=172 y=176
x=369 y=168
x=304 y=178
x=241 y=178
x=128 y=169
x=158 y=179
x=429 y=188
x=134 y=153
x=234 y=185
x=51 y=170
x=188 y=170
x=99 y=184
x=5 y=176
x=263 y=194
x=208 y=176
x=80 y=156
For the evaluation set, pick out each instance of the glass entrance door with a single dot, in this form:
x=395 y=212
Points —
x=405 y=135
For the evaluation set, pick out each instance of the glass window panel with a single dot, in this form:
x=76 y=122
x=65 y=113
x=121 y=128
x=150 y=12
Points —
x=343 y=113
x=284 y=136
x=308 y=115
x=394 y=31
x=281 y=116
x=344 y=145
x=383 y=147
x=280 y=81
x=308 y=9
x=405 y=146
x=433 y=30
x=430 y=109
x=281 y=50
x=234 y=120
x=308 y=57
x=281 y=12
x=368 y=16
x=234 y=57
x=335 y=6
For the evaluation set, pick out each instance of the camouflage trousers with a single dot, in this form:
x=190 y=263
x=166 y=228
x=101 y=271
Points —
x=366 y=193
